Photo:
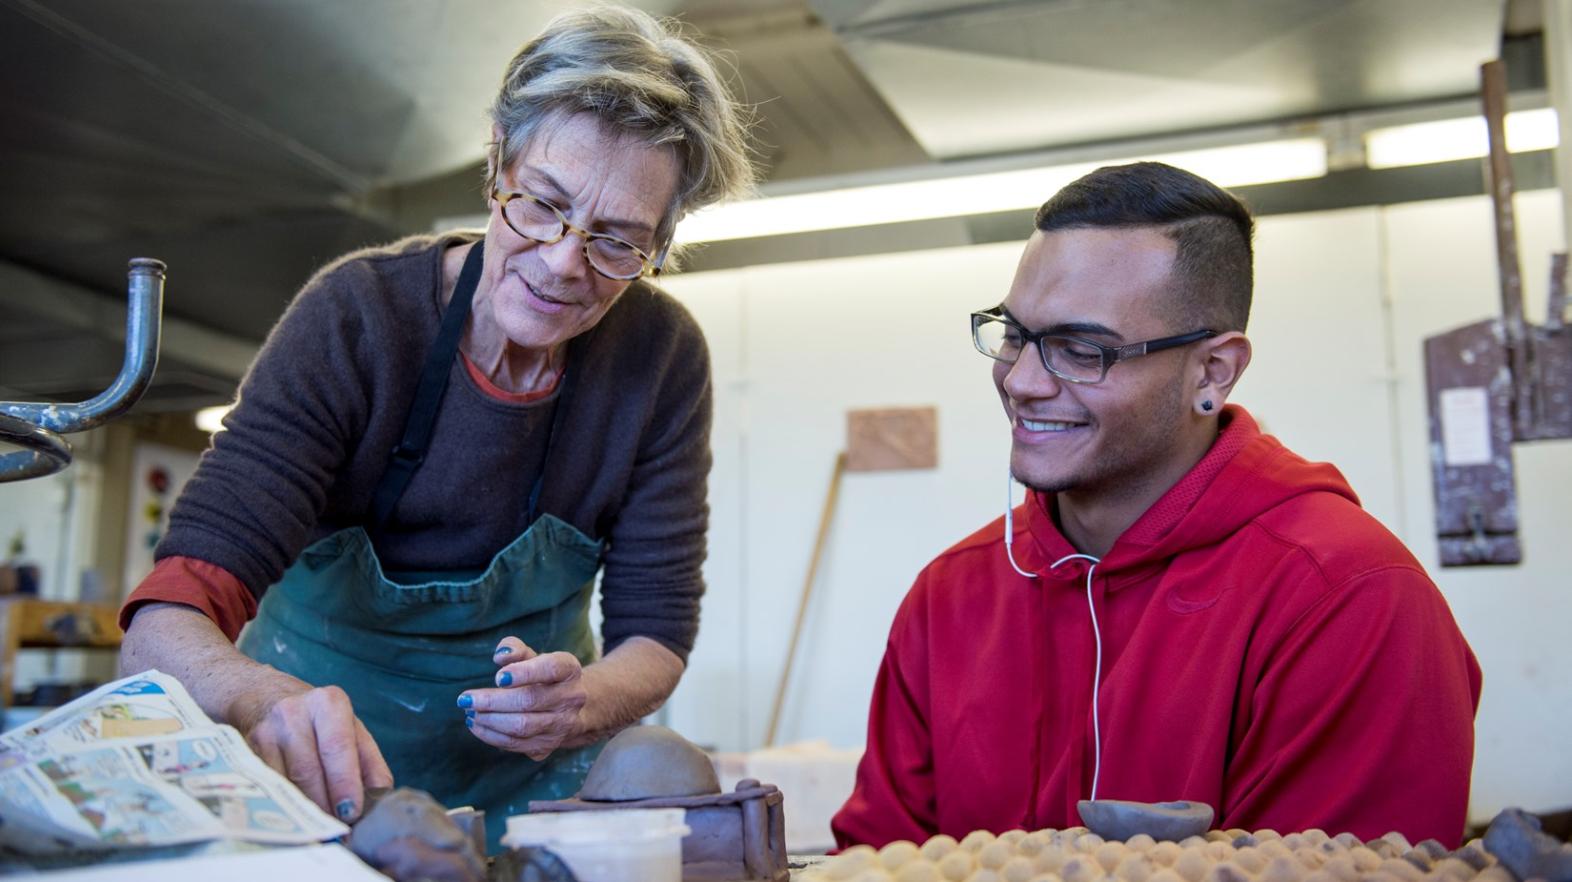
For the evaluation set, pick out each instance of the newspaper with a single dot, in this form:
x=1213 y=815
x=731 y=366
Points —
x=137 y=763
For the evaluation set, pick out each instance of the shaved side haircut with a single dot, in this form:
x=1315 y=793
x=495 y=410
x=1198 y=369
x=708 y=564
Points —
x=1213 y=279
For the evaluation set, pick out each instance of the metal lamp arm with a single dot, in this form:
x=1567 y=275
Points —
x=37 y=426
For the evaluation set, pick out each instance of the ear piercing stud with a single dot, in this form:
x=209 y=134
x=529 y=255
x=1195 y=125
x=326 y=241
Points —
x=1207 y=405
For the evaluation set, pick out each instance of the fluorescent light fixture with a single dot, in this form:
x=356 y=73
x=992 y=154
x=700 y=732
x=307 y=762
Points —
x=211 y=419
x=1452 y=139
x=1235 y=166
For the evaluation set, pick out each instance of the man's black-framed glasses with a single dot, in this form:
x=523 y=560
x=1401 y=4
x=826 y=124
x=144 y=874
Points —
x=538 y=220
x=1074 y=359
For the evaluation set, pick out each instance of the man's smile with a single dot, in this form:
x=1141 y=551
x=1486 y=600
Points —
x=1047 y=425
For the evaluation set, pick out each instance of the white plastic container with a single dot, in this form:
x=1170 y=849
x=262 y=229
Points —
x=616 y=845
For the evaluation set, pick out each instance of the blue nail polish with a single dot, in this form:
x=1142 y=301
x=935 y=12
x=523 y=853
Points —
x=469 y=722
x=505 y=679
x=466 y=701
x=345 y=809
x=469 y=715
x=502 y=650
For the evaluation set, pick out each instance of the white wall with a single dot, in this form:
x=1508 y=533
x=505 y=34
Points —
x=39 y=511
x=147 y=511
x=55 y=516
x=1343 y=301
x=795 y=347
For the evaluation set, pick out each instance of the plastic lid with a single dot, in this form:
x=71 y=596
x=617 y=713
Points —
x=590 y=827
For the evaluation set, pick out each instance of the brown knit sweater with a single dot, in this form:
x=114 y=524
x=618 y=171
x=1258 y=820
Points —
x=324 y=404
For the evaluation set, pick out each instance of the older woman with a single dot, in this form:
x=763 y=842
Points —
x=444 y=440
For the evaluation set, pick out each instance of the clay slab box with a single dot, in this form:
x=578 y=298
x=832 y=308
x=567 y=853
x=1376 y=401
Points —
x=735 y=836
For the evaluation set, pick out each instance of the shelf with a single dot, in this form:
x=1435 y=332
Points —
x=29 y=623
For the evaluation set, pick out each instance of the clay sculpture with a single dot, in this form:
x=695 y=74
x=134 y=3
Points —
x=1515 y=838
x=735 y=836
x=1163 y=821
x=407 y=835
x=648 y=762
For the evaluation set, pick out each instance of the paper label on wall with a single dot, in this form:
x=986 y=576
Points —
x=1465 y=426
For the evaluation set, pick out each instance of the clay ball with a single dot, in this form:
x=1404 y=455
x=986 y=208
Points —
x=647 y=762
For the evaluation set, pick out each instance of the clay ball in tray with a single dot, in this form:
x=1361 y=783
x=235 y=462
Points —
x=1078 y=855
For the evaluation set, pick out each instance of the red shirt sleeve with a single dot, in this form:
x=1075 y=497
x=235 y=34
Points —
x=894 y=797
x=1365 y=715
x=210 y=588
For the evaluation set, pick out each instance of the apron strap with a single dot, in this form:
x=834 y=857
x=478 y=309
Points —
x=433 y=384
x=411 y=449
x=558 y=410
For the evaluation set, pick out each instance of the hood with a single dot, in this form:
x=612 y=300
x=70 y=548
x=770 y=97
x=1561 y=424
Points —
x=1245 y=474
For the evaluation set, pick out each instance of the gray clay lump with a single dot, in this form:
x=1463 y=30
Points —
x=1516 y=839
x=649 y=762
x=407 y=835
x=1118 y=819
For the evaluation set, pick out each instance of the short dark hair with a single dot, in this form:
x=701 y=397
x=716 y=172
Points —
x=1212 y=228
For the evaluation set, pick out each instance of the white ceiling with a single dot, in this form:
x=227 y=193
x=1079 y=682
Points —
x=979 y=78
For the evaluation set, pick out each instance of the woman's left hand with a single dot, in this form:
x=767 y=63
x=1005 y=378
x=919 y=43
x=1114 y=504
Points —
x=536 y=706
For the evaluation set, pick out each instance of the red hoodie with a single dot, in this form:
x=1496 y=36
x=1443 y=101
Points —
x=1268 y=648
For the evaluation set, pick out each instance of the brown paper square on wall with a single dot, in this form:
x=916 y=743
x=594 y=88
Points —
x=892 y=438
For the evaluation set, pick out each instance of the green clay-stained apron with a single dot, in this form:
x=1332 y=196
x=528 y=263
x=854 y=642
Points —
x=404 y=645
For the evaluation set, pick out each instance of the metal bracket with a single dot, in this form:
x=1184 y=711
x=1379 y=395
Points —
x=37 y=426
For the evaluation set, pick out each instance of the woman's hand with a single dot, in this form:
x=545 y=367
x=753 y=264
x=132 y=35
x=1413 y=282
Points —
x=313 y=738
x=537 y=705
x=310 y=736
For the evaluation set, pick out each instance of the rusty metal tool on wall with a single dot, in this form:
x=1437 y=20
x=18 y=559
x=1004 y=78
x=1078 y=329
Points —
x=1495 y=382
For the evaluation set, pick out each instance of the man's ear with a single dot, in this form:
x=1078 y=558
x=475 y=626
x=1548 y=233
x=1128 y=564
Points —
x=1223 y=360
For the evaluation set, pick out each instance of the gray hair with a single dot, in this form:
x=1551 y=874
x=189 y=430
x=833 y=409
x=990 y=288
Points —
x=641 y=78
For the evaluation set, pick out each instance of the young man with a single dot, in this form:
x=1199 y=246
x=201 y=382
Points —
x=1182 y=608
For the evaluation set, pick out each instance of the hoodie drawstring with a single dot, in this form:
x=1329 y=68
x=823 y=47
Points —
x=1097 y=672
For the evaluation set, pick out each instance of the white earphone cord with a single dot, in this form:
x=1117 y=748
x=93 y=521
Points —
x=1009 y=523
x=1097 y=671
x=1091 y=607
